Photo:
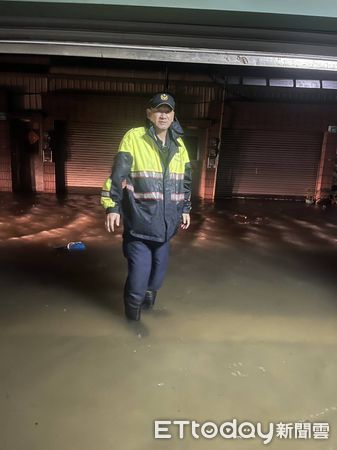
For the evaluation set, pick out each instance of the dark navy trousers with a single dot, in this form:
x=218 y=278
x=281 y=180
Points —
x=147 y=264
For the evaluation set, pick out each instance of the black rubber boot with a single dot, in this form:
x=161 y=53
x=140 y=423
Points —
x=149 y=299
x=132 y=313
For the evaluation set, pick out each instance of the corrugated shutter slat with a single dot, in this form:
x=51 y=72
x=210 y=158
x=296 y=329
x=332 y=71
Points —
x=5 y=158
x=91 y=148
x=267 y=163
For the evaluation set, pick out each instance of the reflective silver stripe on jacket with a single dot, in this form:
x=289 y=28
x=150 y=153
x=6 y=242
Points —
x=149 y=195
x=176 y=176
x=105 y=194
x=146 y=174
x=177 y=197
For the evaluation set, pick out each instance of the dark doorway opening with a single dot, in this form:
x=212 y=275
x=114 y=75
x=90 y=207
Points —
x=24 y=144
x=60 y=150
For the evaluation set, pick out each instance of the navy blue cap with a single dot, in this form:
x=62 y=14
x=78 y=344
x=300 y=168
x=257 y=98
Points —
x=162 y=99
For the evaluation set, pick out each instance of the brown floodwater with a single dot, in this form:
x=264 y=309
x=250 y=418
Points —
x=245 y=327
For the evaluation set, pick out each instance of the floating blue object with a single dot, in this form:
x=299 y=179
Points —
x=77 y=246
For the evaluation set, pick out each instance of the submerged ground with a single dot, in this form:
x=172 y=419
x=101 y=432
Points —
x=245 y=327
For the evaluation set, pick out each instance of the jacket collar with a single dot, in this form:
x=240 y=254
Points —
x=175 y=130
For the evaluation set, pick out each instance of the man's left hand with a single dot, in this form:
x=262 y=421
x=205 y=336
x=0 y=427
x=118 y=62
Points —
x=186 y=220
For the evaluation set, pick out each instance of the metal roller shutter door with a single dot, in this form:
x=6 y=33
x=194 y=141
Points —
x=267 y=163
x=5 y=158
x=91 y=148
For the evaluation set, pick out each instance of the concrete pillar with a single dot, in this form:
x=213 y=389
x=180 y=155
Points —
x=36 y=161
x=38 y=173
x=220 y=115
x=326 y=167
x=211 y=162
x=49 y=178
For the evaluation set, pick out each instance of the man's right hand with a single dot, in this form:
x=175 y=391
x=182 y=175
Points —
x=111 y=220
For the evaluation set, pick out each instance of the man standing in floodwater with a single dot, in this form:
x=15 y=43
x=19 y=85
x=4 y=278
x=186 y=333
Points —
x=150 y=186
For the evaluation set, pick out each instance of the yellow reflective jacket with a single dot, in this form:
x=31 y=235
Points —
x=151 y=194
